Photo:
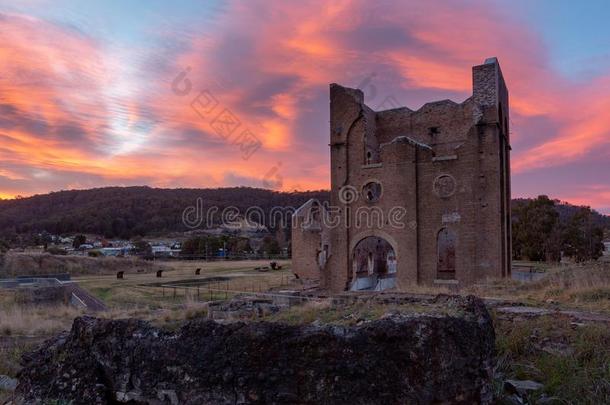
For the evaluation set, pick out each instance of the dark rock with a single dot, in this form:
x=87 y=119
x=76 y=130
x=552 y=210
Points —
x=400 y=359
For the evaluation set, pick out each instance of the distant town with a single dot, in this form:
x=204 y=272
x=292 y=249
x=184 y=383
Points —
x=211 y=244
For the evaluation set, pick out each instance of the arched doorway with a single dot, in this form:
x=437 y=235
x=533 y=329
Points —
x=373 y=265
x=445 y=266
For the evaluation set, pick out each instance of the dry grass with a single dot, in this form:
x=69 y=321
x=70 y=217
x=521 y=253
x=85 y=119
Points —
x=7 y=297
x=168 y=316
x=572 y=276
x=305 y=313
x=36 y=321
x=324 y=312
x=23 y=328
x=427 y=289
x=45 y=263
x=585 y=286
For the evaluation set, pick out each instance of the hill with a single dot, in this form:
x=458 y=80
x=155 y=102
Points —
x=127 y=212
x=566 y=211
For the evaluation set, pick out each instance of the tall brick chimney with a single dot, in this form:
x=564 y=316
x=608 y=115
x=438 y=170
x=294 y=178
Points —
x=490 y=94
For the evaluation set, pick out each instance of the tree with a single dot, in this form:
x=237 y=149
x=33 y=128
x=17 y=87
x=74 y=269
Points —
x=239 y=245
x=542 y=230
x=583 y=240
x=143 y=248
x=193 y=246
x=210 y=245
x=271 y=245
x=3 y=249
x=535 y=230
x=79 y=240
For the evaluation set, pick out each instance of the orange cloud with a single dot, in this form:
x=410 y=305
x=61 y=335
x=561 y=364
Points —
x=431 y=74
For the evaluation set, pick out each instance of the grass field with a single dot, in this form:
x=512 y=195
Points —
x=179 y=282
x=571 y=360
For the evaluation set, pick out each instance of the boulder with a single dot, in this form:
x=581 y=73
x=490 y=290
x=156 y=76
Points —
x=402 y=358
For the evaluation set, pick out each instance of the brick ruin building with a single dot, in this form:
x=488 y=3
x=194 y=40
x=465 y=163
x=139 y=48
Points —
x=417 y=197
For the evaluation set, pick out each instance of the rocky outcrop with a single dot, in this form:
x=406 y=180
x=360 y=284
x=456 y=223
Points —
x=402 y=358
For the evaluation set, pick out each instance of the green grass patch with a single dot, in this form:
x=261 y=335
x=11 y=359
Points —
x=573 y=362
x=103 y=293
x=10 y=358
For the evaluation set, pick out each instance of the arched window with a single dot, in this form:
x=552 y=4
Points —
x=445 y=267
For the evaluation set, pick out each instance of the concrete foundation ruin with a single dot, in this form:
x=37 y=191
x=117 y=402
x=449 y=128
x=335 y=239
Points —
x=417 y=197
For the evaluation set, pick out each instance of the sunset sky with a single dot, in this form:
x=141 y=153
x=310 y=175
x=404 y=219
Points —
x=88 y=93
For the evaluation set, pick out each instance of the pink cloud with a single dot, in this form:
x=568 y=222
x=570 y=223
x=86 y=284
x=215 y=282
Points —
x=270 y=66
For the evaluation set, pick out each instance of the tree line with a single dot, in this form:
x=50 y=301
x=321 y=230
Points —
x=544 y=230
x=210 y=245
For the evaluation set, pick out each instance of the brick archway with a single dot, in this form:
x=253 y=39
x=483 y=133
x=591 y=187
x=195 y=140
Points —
x=373 y=264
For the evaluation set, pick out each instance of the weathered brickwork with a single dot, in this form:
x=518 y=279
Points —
x=433 y=183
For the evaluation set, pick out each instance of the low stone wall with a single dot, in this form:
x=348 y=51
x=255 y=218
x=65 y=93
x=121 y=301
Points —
x=403 y=358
